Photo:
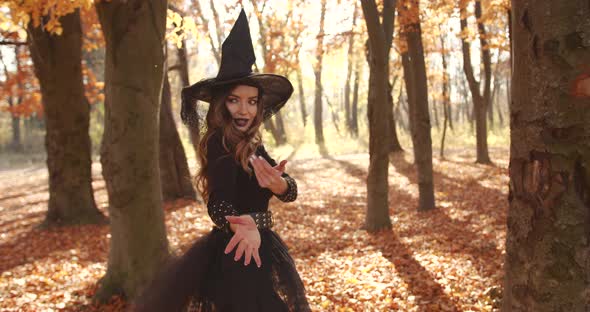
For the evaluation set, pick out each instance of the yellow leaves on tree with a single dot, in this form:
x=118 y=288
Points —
x=180 y=28
x=44 y=13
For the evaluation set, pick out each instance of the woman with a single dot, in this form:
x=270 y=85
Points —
x=241 y=265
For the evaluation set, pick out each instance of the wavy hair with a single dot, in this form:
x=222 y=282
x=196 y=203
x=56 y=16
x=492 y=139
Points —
x=240 y=144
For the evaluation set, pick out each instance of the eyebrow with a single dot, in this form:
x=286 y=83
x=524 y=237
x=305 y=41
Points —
x=252 y=97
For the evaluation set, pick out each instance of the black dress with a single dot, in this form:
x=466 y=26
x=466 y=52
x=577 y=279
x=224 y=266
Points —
x=205 y=278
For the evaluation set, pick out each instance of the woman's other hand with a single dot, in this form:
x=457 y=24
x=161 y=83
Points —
x=269 y=177
x=246 y=237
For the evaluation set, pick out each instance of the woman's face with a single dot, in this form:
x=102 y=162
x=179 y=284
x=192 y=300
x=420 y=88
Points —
x=242 y=104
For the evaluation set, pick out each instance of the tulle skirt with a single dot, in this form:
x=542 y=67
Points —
x=206 y=279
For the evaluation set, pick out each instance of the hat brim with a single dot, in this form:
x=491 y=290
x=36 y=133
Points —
x=276 y=90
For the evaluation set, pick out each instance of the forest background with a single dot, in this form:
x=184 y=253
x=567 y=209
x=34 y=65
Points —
x=405 y=117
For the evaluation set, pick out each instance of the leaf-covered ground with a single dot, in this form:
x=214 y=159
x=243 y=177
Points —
x=449 y=259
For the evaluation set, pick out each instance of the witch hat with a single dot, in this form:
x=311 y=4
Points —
x=237 y=58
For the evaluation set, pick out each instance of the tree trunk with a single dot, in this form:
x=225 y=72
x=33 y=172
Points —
x=278 y=117
x=204 y=22
x=218 y=28
x=479 y=102
x=448 y=105
x=547 y=264
x=16 y=144
x=349 y=70
x=134 y=33
x=398 y=111
x=354 y=124
x=301 y=94
x=317 y=117
x=434 y=112
x=182 y=67
x=270 y=126
x=333 y=113
x=174 y=173
x=493 y=101
x=58 y=66
x=418 y=102
x=445 y=95
x=277 y=130
x=377 y=216
x=394 y=145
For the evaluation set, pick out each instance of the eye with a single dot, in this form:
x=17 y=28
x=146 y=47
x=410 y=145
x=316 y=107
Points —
x=253 y=102
x=232 y=100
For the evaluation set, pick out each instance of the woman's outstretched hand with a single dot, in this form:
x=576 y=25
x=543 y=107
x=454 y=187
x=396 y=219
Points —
x=246 y=237
x=269 y=177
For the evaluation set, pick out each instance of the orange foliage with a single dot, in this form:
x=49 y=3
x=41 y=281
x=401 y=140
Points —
x=22 y=85
x=46 y=12
x=20 y=88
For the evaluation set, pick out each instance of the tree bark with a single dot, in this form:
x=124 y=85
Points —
x=387 y=24
x=301 y=94
x=354 y=124
x=400 y=104
x=434 y=111
x=445 y=95
x=16 y=144
x=317 y=116
x=276 y=129
x=174 y=172
x=134 y=34
x=278 y=117
x=182 y=57
x=205 y=24
x=547 y=264
x=377 y=216
x=394 y=145
x=349 y=71
x=418 y=102
x=58 y=66
x=479 y=102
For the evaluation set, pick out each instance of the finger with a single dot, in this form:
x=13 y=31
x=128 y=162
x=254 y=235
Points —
x=261 y=175
x=268 y=169
x=236 y=220
x=248 y=256
x=266 y=173
x=257 y=257
x=281 y=166
x=232 y=243
x=240 y=250
x=257 y=169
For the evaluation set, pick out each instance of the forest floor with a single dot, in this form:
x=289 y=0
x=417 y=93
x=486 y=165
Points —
x=447 y=259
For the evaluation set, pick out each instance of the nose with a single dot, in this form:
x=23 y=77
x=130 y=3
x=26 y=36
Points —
x=243 y=108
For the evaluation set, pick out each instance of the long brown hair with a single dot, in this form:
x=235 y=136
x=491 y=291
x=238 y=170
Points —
x=240 y=144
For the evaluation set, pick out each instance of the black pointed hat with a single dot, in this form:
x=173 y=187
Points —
x=237 y=58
